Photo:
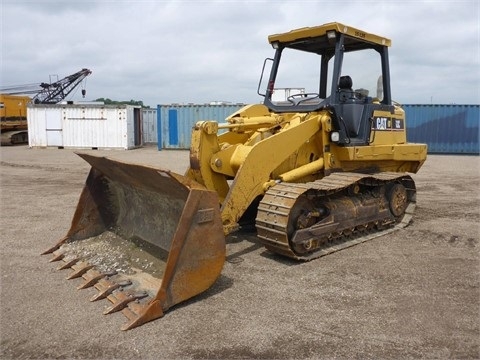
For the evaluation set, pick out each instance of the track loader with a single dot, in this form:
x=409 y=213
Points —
x=315 y=168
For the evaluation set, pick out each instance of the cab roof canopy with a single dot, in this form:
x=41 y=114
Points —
x=317 y=40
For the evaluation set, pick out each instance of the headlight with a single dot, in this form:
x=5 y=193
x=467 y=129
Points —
x=335 y=136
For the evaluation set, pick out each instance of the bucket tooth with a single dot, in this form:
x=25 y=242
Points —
x=68 y=263
x=120 y=299
x=92 y=276
x=138 y=314
x=133 y=310
x=56 y=246
x=105 y=287
x=79 y=268
x=57 y=255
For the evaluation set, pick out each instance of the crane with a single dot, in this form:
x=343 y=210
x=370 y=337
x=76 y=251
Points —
x=50 y=93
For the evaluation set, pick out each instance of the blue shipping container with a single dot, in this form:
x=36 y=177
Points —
x=175 y=122
x=447 y=129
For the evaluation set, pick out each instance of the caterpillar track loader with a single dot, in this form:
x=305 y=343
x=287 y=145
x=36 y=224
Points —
x=316 y=169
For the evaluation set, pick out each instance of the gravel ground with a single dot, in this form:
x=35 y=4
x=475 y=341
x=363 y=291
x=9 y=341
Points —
x=411 y=294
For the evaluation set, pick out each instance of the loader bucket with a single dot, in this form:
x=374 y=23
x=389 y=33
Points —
x=144 y=237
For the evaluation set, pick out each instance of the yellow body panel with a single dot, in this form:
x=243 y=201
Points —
x=13 y=107
x=13 y=113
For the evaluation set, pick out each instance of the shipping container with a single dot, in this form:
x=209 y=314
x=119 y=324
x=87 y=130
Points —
x=446 y=129
x=175 y=122
x=84 y=126
x=282 y=94
x=149 y=123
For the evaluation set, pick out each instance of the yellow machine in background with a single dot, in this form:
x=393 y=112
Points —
x=13 y=118
x=315 y=172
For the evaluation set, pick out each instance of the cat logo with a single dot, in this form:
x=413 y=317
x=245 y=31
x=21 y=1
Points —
x=381 y=123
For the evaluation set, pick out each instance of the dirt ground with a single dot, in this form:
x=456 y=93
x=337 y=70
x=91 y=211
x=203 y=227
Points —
x=411 y=294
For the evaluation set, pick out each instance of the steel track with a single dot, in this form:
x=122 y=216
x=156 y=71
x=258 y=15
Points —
x=275 y=209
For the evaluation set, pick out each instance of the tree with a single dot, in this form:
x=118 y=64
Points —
x=108 y=101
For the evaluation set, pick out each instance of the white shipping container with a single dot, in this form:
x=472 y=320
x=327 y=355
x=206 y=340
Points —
x=281 y=94
x=84 y=126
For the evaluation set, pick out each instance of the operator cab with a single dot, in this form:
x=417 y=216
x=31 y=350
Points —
x=334 y=67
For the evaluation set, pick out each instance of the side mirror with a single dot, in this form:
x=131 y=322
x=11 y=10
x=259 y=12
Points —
x=263 y=84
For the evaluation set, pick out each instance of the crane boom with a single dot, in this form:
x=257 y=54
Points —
x=59 y=90
x=49 y=93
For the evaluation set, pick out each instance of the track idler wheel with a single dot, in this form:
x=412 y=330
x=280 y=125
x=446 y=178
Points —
x=398 y=199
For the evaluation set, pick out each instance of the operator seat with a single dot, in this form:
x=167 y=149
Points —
x=345 y=83
x=345 y=90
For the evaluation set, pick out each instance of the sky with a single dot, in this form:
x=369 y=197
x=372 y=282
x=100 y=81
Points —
x=164 y=52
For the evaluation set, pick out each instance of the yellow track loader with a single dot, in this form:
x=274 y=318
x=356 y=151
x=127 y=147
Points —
x=315 y=168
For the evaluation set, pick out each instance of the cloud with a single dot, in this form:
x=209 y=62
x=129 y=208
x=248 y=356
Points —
x=162 y=52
